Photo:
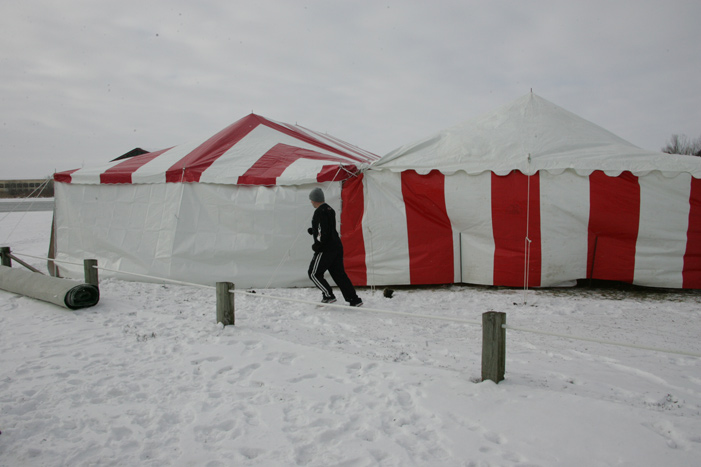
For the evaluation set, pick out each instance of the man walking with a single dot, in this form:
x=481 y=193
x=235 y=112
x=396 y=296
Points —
x=328 y=252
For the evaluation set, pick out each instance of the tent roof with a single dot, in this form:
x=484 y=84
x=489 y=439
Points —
x=252 y=151
x=529 y=135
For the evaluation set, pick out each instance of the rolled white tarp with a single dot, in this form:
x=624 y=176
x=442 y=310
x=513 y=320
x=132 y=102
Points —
x=62 y=292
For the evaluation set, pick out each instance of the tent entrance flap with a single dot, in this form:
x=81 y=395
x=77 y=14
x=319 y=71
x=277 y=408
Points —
x=476 y=266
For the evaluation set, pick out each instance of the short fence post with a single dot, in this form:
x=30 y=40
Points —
x=225 y=303
x=5 y=259
x=91 y=274
x=493 y=346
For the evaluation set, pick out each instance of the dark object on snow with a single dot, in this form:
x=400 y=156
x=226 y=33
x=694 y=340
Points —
x=388 y=293
x=61 y=292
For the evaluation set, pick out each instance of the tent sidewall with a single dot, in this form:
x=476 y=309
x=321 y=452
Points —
x=253 y=236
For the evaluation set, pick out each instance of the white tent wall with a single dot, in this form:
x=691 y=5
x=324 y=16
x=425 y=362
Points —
x=253 y=236
x=468 y=203
x=662 y=238
x=564 y=218
x=124 y=227
x=384 y=230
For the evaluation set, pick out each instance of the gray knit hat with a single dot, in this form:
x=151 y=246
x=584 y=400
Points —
x=317 y=195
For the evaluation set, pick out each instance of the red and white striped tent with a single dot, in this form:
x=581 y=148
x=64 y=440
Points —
x=230 y=207
x=529 y=195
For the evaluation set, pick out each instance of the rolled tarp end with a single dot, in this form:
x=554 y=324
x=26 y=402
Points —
x=62 y=292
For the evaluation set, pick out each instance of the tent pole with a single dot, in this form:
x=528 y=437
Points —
x=527 y=242
x=593 y=260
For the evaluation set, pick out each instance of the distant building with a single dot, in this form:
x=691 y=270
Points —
x=26 y=188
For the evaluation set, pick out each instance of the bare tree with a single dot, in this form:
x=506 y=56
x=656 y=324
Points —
x=681 y=144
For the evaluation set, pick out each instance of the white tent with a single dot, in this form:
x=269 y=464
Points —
x=530 y=194
x=231 y=207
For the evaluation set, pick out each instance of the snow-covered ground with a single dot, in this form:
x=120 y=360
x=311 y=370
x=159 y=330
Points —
x=147 y=377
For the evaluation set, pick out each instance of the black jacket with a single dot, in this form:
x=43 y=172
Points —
x=324 y=229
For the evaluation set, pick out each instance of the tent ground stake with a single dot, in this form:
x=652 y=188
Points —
x=225 y=304
x=493 y=346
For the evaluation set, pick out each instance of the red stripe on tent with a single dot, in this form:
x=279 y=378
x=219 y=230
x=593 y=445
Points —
x=692 y=257
x=353 y=208
x=122 y=172
x=191 y=167
x=428 y=227
x=310 y=140
x=614 y=220
x=65 y=176
x=273 y=163
x=513 y=221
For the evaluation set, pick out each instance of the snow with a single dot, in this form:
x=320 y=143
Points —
x=147 y=377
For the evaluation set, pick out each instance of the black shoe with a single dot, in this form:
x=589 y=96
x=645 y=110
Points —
x=328 y=300
x=356 y=302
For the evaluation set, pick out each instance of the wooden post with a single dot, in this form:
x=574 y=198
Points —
x=26 y=265
x=5 y=259
x=493 y=346
x=225 y=303
x=91 y=274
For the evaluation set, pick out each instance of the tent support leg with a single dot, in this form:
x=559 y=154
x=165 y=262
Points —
x=593 y=260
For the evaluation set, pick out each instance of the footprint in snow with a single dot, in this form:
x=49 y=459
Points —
x=299 y=379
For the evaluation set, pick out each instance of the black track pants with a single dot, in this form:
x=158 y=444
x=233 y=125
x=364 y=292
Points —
x=331 y=261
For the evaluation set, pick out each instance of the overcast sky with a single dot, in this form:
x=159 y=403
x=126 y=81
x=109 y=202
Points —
x=85 y=81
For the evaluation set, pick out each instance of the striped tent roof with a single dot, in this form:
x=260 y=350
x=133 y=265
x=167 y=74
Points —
x=252 y=151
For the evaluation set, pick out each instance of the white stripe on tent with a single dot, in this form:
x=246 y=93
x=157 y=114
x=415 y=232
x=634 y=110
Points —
x=241 y=156
x=468 y=201
x=385 y=230
x=91 y=175
x=303 y=171
x=664 y=221
x=564 y=222
x=154 y=171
